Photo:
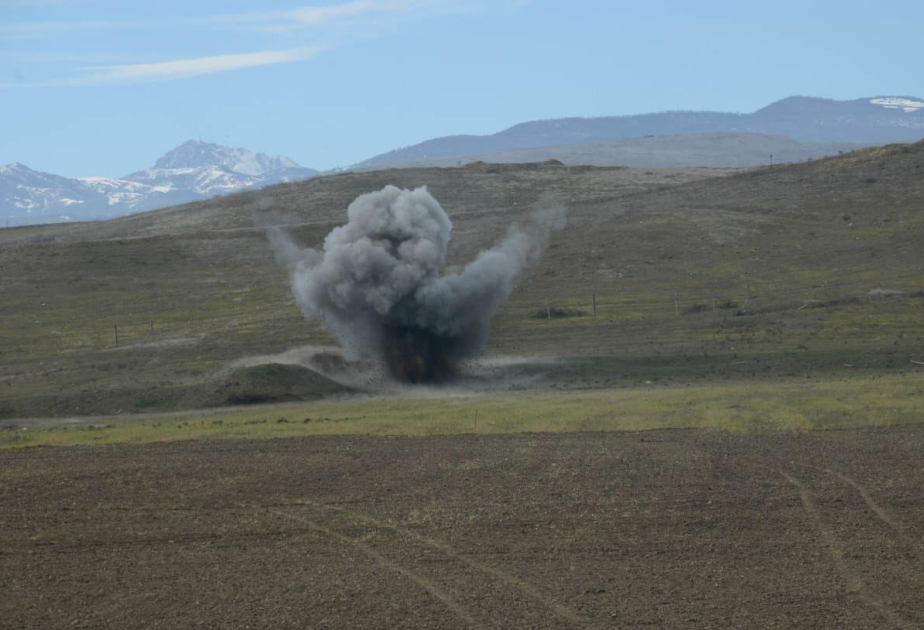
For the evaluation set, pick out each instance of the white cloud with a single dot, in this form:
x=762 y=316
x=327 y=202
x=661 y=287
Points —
x=350 y=13
x=293 y=19
x=181 y=68
x=347 y=21
x=312 y=16
x=194 y=67
x=302 y=17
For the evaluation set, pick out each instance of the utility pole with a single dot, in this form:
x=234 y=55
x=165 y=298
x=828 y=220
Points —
x=595 y=306
x=676 y=305
x=116 y=329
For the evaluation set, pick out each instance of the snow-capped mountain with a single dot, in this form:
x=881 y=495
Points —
x=211 y=169
x=907 y=105
x=26 y=193
x=194 y=154
x=192 y=171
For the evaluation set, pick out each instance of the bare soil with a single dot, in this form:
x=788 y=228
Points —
x=674 y=529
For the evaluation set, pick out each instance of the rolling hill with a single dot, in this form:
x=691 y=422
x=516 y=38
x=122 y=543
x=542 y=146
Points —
x=711 y=150
x=863 y=121
x=806 y=271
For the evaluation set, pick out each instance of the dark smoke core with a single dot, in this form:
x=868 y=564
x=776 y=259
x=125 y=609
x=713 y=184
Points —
x=418 y=356
x=378 y=282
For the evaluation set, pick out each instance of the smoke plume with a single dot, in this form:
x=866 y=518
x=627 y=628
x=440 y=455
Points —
x=380 y=285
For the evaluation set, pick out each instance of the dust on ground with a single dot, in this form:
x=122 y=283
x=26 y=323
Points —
x=485 y=373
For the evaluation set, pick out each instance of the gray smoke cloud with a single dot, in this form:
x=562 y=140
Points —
x=381 y=286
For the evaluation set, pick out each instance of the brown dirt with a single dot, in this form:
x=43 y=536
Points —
x=668 y=529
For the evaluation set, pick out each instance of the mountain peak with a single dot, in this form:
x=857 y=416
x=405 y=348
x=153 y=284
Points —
x=196 y=154
x=14 y=167
x=798 y=105
x=194 y=170
x=801 y=105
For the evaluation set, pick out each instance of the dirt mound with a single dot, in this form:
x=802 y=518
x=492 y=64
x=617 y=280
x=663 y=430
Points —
x=330 y=363
x=265 y=383
x=272 y=382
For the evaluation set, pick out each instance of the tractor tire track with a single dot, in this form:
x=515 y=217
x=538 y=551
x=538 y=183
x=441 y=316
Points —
x=511 y=580
x=850 y=577
x=82 y=546
x=421 y=581
x=879 y=511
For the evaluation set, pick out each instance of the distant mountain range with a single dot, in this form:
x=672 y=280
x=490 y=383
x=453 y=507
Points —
x=190 y=172
x=712 y=150
x=865 y=121
x=791 y=130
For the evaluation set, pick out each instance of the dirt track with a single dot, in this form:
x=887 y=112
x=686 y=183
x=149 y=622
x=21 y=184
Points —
x=670 y=529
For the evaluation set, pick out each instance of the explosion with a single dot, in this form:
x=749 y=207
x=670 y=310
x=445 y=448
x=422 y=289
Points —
x=380 y=284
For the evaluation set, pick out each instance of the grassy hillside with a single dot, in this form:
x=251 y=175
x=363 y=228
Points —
x=762 y=407
x=474 y=190
x=816 y=270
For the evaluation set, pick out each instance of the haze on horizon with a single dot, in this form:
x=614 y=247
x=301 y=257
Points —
x=95 y=87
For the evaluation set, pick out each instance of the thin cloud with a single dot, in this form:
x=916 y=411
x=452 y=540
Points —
x=316 y=16
x=181 y=68
x=293 y=19
x=302 y=17
x=197 y=66
x=343 y=23
x=319 y=15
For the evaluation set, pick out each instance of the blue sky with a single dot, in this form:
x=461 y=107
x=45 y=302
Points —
x=94 y=87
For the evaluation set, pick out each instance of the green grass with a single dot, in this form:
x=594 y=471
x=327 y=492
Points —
x=793 y=405
x=215 y=294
